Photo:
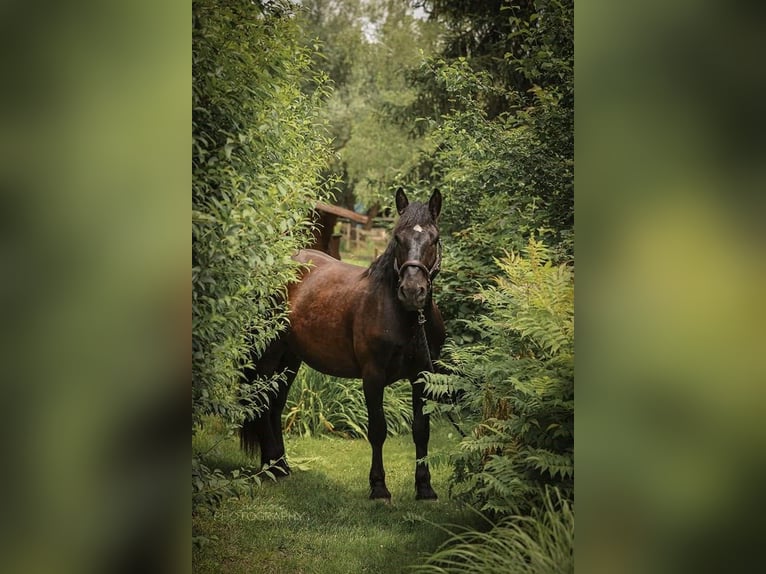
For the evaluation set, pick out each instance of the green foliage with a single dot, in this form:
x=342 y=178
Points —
x=499 y=105
x=542 y=543
x=496 y=109
x=520 y=46
x=379 y=148
x=211 y=486
x=322 y=404
x=506 y=178
x=257 y=150
x=520 y=377
x=366 y=47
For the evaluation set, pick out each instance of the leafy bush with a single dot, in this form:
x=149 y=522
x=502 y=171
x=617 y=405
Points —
x=322 y=404
x=505 y=180
x=542 y=543
x=520 y=377
x=257 y=149
x=500 y=143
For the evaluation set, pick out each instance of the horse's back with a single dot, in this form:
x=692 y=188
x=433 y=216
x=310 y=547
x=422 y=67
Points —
x=315 y=259
x=324 y=277
x=312 y=255
x=323 y=304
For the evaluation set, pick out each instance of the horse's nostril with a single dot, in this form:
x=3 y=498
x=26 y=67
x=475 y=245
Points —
x=414 y=293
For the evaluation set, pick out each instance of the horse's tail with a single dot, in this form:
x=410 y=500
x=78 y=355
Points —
x=249 y=437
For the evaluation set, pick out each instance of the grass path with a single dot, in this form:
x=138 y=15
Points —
x=319 y=520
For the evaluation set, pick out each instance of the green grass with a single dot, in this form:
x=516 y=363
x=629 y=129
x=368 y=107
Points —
x=319 y=520
x=320 y=403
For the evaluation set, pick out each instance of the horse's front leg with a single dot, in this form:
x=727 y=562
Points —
x=376 y=431
x=421 y=432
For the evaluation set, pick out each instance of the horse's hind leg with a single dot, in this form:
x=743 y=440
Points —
x=421 y=432
x=289 y=365
x=255 y=431
x=264 y=430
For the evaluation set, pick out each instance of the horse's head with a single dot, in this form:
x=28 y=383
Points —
x=417 y=252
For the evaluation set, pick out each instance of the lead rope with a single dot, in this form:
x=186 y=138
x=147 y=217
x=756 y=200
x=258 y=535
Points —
x=422 y=323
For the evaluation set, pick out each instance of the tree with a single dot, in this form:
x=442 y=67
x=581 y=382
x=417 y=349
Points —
x=366 y=48
x=503 y=153
x=258 y=148
x=521 y=44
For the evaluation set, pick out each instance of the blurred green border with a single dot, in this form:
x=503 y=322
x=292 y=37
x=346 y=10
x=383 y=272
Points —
x=670 y=280
x=669 y=298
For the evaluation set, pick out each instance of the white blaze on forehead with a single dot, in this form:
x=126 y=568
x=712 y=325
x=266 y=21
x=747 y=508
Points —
x=418 y=229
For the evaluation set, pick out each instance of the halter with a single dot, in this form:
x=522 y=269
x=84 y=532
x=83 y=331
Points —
x=430 y=273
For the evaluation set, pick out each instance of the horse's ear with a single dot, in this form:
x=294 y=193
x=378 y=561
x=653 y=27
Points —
x=401 y=200
x=435 y=204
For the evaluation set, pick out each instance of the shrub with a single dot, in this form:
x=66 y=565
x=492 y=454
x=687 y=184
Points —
x=520 y=378
x=257 y=150
x=507 y=178
x=501 y=145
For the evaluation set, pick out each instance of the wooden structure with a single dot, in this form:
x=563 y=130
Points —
x=326 y=216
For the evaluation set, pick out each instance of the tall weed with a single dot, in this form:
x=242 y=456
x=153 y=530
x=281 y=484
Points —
x=322 y=404
x=541 y=543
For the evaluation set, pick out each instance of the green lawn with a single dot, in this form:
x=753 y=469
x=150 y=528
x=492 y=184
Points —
x=320 y=519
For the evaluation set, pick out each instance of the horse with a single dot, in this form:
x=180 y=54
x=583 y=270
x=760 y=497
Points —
x=379 y=324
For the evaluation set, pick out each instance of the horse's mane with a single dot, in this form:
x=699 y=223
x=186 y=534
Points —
x=382 y=269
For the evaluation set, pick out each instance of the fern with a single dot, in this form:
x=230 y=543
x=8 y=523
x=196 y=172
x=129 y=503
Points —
x=520 y=377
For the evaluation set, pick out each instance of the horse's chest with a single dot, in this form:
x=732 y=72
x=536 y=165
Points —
x=405 y=361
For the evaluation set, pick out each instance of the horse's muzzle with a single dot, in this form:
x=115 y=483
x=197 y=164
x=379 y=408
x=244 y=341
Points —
x=412 y=295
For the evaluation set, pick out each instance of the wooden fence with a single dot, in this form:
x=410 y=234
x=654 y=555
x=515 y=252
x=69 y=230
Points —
x=356 y=236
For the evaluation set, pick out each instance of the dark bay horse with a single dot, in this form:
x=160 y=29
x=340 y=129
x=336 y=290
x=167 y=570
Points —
x=352 y=322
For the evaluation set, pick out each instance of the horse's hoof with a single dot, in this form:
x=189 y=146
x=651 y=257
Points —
x=426 y=494
x=380 y=493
